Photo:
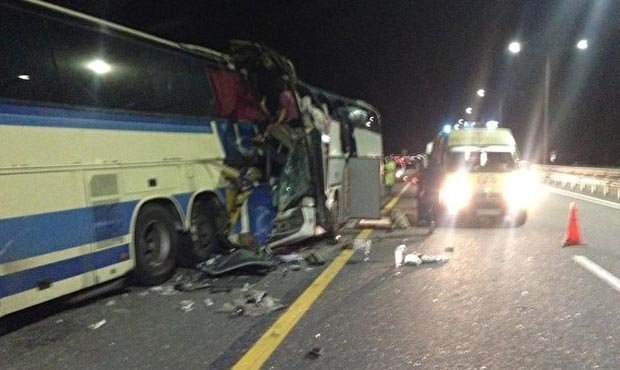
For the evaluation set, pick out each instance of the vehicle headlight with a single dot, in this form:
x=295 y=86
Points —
x=455 y=193
x=520 y=189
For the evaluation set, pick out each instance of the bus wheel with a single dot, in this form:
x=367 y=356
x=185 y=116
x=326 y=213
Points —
x=205 y=221
x=156 y=241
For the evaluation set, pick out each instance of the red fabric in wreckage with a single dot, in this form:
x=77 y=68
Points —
x=233 y=98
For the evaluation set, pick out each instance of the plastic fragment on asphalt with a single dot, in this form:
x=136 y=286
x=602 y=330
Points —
x=253 y=303
x=449 y=249
x=59 y=321
x=97 y=325
x=412 y=259
x=399 y=252
x=111 y=302
x=315 y=353
x=143 y=293
x=294 y=267
x=187 y=305
x=208 y=302
x=292 y=257
x=440 y=258
x=245 y=287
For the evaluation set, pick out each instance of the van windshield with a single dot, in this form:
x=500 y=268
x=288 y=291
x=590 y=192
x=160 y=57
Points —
x=480 y=161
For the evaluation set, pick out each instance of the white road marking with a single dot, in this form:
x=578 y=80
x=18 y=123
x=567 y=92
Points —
x=567 y=193
x=598 y=271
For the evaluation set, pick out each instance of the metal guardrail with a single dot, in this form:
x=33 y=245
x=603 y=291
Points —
x=594 y=181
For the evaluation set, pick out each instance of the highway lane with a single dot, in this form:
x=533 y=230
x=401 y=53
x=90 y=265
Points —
x=507 y=299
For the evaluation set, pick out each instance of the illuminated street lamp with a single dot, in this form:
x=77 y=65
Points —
x=480 y=92
x=514 y=47
x=468 y=110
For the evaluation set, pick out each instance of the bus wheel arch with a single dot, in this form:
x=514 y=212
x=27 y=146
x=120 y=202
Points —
x=206 y=220
x=156 y=240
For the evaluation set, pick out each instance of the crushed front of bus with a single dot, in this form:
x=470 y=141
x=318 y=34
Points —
x=486 y=183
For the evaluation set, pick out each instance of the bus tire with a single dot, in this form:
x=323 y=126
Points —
x=156 y=243
x=205 y=221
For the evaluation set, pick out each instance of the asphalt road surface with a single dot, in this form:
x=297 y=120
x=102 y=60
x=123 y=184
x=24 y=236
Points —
x=506 y=299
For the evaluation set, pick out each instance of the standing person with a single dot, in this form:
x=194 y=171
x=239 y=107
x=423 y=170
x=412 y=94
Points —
x=389 y=174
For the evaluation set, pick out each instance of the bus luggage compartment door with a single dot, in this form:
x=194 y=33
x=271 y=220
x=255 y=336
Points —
x=363 y=188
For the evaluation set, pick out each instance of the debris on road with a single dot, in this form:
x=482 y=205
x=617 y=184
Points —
x=415 y=259
x=143 y=293
x=189 y=286
x=111 y=302
x=449 y=249
x=315 y=353
x=294 y=267
x=315 y=259
x=399 y=219
x=440 y=258
x=97 y=325
x=382 y=223
x=256 y=262
x=187 y=305
x=291 y=257
x=412 y=259
x=398 y=255
x=365 y=245
x=208 y=302
x=164 y=290
x=252 y=303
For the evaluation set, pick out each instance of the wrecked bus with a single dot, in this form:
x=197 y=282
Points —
x=315 y=166
x=120 y=151
x=110 y=155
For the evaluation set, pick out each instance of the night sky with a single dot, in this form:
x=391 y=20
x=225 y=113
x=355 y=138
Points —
x=421 y=62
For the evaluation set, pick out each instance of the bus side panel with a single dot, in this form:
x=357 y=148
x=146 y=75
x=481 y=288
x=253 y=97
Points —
x=368 y=143
x=45 y=232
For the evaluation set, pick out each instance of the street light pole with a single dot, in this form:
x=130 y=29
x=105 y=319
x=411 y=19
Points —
x=546 y=109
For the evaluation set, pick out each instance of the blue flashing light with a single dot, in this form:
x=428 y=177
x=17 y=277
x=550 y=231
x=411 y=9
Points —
x=492 y=125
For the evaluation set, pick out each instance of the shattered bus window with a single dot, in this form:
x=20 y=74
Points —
x=295 y=179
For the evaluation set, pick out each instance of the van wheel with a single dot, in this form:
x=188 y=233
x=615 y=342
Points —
x=207 y=219
x=156 y=241
x=520 y=219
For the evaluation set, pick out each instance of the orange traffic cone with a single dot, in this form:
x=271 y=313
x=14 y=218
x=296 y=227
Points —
x=573 y=235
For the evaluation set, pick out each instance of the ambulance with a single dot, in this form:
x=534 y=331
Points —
x=482 y=176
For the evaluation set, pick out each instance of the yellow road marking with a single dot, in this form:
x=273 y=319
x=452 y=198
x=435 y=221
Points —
x=260 y=352
x=393 y=202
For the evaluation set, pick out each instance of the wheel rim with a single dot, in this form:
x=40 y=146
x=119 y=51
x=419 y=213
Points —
x=156 y=243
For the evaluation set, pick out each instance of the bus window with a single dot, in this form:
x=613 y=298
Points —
x=104 y=70
x=27 y=69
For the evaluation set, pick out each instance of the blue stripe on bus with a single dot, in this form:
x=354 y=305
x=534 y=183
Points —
x=53 y=272
x=23 y=115
x=29 y=236
x=183 y=200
